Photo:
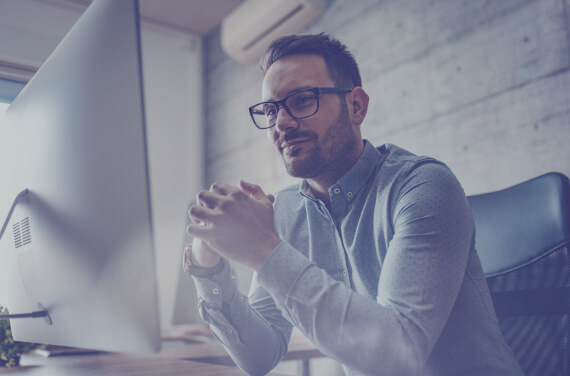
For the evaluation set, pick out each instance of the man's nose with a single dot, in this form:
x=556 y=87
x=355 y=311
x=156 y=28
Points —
x=285 y=122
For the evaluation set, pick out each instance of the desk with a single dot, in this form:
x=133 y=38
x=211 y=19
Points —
x=119 y=365
x=197 y=359
x=300 y=348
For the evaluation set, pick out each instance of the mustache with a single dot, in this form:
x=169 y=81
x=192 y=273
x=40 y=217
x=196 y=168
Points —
x=297 y=134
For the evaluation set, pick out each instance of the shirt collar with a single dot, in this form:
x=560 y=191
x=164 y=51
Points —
x=351 y=182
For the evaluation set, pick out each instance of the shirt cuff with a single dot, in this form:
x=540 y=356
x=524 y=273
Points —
x=216 y=288
x=281 y=270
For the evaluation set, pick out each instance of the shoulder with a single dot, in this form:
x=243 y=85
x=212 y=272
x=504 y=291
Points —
x=403 y=166
x=429 y=189
x=402 y=159
x=398 y=168
x=410 y=179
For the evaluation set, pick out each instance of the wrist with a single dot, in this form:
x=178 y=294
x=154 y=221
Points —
x=202 y=255
x=200 y=270
x=258 y=262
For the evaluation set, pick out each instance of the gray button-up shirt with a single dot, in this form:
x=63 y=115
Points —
x=387 y=282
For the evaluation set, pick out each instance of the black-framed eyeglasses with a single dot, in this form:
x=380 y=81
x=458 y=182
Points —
x=299 y=104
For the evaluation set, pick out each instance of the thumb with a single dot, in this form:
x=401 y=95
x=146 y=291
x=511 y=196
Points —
x=254 y=190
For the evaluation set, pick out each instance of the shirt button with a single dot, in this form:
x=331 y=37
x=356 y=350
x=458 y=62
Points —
x=344 y=273
x=337 y=190
x=215 y=291
x=230 y=330
x=349 y=194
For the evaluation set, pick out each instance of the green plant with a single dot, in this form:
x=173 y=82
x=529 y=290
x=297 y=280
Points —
x=10 y=350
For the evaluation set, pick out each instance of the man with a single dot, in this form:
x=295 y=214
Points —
x=371 y=256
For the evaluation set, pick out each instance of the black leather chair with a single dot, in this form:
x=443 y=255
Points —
x=523 y=240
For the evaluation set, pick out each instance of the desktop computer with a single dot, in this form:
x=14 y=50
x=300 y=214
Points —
x=77 y=245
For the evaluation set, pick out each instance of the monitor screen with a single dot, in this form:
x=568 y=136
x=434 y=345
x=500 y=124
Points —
x=79 y=244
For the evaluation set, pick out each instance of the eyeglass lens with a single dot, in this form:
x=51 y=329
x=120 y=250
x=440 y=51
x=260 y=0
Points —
x=299 y=105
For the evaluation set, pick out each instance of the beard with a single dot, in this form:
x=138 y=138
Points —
x=334 y=145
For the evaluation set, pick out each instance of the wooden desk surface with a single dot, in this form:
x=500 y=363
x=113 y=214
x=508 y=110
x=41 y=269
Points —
x=300 y=348
x=197 y=359
x=109 y=364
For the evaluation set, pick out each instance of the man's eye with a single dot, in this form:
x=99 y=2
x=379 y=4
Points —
x=302 y=100
x=269 y=111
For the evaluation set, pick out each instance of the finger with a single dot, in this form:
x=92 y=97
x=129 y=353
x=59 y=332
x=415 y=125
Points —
x=253 y=190
x=271 y=198
x=195 y=203
x=208 y=199
x=222 y=189
x=199 y=231
x=195 y=220
x=200 y=215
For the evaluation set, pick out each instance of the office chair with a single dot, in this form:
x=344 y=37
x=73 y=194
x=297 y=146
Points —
x=523 y=240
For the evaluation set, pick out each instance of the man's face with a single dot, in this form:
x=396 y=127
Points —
x=316 y=145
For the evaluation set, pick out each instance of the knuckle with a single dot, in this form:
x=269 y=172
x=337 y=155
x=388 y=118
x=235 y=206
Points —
x=215 y=187
x=193 y=211
x=237 y=195
x=225 y=204
x=201 y=195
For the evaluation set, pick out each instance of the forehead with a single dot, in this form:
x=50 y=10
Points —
x=295 y=72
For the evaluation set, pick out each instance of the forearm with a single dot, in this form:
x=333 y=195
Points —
x=254 y=344
x=356 y=331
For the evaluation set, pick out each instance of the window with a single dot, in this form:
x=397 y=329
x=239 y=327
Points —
x=9 y=89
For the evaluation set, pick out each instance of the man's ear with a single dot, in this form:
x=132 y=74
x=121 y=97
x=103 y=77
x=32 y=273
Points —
x=357 y=102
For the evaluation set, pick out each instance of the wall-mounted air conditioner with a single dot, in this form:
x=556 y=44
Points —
x=252 y=26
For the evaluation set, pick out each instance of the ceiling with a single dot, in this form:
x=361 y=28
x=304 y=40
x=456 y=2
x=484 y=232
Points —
x=198 y=16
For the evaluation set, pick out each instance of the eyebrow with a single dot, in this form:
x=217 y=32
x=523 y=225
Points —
x=288 y=93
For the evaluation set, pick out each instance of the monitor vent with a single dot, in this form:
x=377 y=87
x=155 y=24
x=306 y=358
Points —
x=22 y=233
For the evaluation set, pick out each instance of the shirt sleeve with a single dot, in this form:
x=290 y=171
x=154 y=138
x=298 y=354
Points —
x=252 y=330
x=421 y=276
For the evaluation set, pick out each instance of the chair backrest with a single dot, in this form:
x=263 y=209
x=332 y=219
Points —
x=523 y=240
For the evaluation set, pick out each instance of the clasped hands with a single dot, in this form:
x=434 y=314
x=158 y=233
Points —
x=236 y=223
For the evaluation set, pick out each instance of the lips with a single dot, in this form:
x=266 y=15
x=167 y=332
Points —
x=292 y=143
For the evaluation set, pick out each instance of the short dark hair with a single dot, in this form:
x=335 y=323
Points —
x=341 y=65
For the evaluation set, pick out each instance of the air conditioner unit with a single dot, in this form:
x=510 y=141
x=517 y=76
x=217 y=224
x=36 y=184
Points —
x=250 y=28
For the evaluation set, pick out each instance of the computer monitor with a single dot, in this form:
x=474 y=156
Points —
x=79 y=245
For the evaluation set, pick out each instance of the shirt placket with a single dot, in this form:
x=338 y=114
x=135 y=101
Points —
x=338 y=205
